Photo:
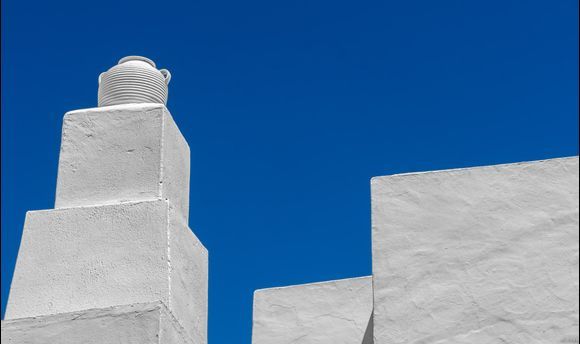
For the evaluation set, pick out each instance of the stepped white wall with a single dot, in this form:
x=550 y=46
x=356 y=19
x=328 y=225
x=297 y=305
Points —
x=119 y=233
x=477 y=255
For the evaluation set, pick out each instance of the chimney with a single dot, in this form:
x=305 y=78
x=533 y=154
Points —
x=115 y=260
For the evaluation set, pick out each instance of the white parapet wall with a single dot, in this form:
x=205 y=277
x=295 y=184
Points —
x=477 y=255
x=333 y=312
x=119 y=233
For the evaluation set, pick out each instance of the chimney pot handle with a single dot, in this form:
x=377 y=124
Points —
x=166 y=75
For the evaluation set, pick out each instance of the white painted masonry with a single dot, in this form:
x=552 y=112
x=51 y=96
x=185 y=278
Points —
x=119 y=233
x=91 y=257
x=148 y=323
x=335 y=312
x=477 y=255
x=120 y=154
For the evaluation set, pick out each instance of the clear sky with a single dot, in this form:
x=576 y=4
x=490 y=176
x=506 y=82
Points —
x=290 y=107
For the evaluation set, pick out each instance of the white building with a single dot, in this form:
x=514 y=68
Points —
x=477 y=255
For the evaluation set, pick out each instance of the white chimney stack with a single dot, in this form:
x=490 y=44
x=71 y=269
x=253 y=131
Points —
x=115 y=261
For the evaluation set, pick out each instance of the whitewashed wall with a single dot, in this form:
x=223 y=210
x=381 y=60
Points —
x=478 y=255
x=333 y=312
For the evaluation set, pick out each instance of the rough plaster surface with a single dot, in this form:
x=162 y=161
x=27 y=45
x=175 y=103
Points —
x=122 y=153
x=147 y=323
x=72 y=259
x=479 y=255
x=335 y=312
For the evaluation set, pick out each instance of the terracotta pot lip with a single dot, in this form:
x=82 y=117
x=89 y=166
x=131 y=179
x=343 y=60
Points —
x=137 y=58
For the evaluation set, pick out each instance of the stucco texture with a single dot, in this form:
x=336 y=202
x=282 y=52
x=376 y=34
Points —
x=478 y=255
x=122 y=153
x=333 y=312
x=72 y=259
x=147 y=323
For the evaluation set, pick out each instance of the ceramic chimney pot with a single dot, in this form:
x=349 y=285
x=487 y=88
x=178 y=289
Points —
x=135 y=79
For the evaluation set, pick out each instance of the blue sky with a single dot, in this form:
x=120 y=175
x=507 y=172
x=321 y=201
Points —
x=290 y=107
